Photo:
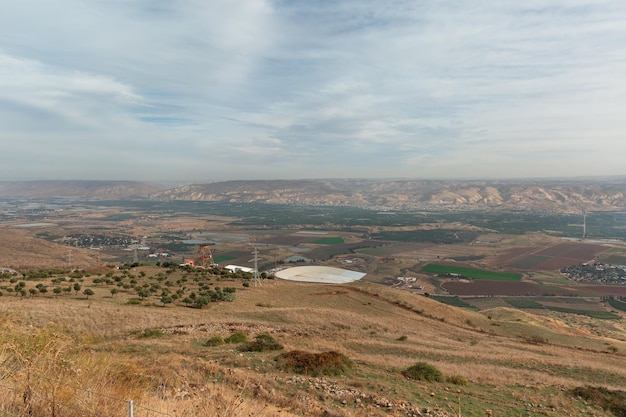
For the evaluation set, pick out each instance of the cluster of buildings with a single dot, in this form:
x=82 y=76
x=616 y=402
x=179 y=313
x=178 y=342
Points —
x=596 y=272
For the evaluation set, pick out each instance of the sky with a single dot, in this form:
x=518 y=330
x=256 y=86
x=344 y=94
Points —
x=211 y=90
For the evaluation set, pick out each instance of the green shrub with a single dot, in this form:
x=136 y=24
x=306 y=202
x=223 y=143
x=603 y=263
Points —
x=422 y=371
x=133 y=301
x=214 y=341
x=613 y=401
x=402 y=338
x=314 y=364
x=236 y=338
x=456 y=380
x=262 y=343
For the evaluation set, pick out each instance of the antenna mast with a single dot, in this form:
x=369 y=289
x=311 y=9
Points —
x=256 y=278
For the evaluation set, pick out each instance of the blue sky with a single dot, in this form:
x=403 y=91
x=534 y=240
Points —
x=204 y=90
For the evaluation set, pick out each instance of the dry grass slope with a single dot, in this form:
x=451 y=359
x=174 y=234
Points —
x=77 y=354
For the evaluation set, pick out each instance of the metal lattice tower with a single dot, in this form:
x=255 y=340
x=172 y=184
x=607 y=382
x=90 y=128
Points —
x=256 y=277
x=204 y=256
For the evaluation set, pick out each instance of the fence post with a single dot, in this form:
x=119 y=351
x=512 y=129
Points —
x=130 y=408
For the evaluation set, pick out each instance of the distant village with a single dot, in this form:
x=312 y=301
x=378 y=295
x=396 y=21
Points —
x=596 y=272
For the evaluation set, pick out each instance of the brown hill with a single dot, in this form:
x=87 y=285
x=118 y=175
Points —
x=20 y=250
x=546 y=195
x=566 y=196
x=96 y=190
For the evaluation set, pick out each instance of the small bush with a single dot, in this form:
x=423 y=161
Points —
x=262 y=343
x=422 y=371
x=613 y=401
x=214 y=341
x=402 y=338
x=314 y=364
x=133 y=301
x=151 y=333
x=536 y=340
x=236 y=338
x=268 y=305
x=456 y=380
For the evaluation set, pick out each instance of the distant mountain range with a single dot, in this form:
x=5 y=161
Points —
x=539 y=195
x=96 y=190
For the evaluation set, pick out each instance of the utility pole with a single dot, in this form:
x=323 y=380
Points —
x=256 y=278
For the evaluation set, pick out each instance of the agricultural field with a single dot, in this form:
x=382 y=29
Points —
x=617 y=304
x=282 y=240
x=335 y=240
x=550 y=256
x=471 y=272
x=524 y=303
x=391 y=249
x=614 y=256
x=495 y=288
x=540 y=305
x=602 y=290
x=437 y=236
x=453 y=301
x=573 y=305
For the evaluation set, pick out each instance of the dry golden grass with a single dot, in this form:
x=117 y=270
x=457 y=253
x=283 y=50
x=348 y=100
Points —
x=19 y=249
x=53 y=343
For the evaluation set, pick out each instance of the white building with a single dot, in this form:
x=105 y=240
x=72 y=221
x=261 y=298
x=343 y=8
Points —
x=235 y=268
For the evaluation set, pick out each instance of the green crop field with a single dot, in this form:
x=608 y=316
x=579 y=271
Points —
x=222 y=258
x=453 y=301
x=591 y=313
x=617 y=304
x=472 y=273
x=524 y=303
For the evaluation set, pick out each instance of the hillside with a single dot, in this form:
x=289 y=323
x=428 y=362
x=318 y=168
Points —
x=87 y=190
x=173 y=359
x=20 y=250
x=563 y=196
x=571 y=196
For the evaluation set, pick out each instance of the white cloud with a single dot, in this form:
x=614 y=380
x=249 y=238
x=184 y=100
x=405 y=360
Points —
x=301 y=89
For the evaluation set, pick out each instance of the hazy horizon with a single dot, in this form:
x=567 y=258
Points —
x=251 y=89
x=182 y=182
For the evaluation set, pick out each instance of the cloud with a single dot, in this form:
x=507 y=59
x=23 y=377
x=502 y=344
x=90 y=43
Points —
x=310 y=89
x=71 y=98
